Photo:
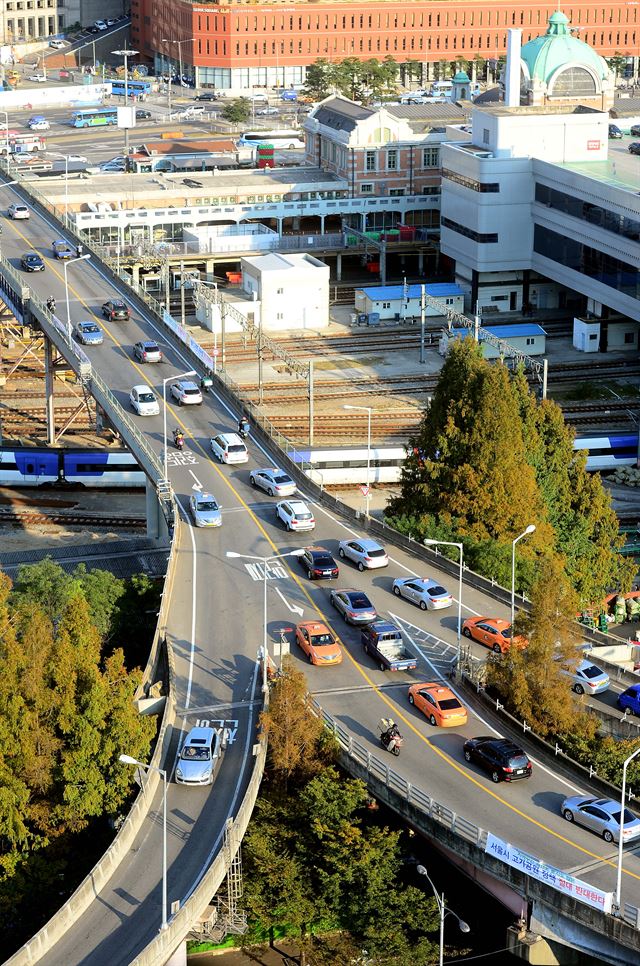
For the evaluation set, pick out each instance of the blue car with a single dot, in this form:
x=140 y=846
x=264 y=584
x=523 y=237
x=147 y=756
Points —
x=630 y=699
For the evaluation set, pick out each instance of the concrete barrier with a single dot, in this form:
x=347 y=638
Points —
x=39 y=944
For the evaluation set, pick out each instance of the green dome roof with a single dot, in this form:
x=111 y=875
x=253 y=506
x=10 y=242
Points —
x=557 y=48
x=461 y=78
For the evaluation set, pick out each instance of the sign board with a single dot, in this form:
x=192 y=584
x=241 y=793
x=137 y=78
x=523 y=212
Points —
x=126 y=116
x=593 y=145
x=364 y=490
x=215 y=352
x=556 y=878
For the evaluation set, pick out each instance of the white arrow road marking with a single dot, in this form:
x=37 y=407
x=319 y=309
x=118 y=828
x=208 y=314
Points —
x=292 y=607
x=197 y=485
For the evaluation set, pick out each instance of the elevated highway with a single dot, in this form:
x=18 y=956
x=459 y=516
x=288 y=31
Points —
x=214 y=628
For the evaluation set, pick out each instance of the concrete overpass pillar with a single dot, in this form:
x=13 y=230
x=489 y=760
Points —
x=338 y=268
x=135 y=272
x=156 y=523
x=210 y=267
x=420 y=263
x=179 y=958
x=48 y=391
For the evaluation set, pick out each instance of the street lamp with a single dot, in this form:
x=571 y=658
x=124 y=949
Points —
x=56 y=154
x=444 y=911
x=451 y=543
x=126 y=53
x=187 y=40
x=128 y=760
x=526 y=533
x=265 y=561
x=179 y=375
x=65 y=266
x=368 y=411
x=620 y=843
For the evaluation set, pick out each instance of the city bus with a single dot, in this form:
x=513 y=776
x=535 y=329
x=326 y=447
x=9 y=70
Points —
x=136 y=87
x=21 y=142
x=280 y=139
x=94 y=117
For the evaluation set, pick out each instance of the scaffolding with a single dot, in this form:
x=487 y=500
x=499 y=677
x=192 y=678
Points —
x=223 y=916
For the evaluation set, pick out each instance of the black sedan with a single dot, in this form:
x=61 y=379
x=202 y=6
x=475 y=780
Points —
x=32 y=262
x=318 y=564
x=502 y=758
x=634 y=147
x=143 y=115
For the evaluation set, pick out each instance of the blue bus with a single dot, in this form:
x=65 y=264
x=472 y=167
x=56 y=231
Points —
x=94 y=117
x=136 y=87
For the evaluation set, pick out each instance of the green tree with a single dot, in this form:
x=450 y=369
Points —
x=617 y=63
x=320 y=80
x=103 y=592
x=292 y=730
x=238 y=111
x=46 y=584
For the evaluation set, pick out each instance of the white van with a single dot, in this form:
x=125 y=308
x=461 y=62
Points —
x=229 y=448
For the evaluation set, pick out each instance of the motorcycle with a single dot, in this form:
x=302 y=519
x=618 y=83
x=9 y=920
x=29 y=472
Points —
x=178 y=440
x=392 y=740
x=51 y=304
x=206 y=383
x=244 y=429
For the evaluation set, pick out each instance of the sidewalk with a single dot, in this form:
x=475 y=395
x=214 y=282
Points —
x=284 y=955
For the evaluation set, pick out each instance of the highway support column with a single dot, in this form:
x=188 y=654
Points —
x=48 y=390
x=156 y=523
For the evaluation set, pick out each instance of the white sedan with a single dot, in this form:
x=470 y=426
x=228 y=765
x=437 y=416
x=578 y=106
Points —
x=428 y=594
x=143 y=401
x=273 y=481
x=38 y=78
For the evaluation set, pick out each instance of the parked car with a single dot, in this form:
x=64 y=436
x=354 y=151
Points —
x=18 y=212
x=630 y=699
x=229 y=448
x=500 y=757
x=207 y=96
x=186 y=393
x=143 y=401
x=366 y=554
x=57 y=44
x=77 y=159
x=192 y=183
x=354 y=605
x=318 y=643
x=205 y=510
x=273 y=481
x=62 y=249
x=295 y=514
x=318 y=564
x=614 y=132
x=88 y=333
x=100 y=24
x=634 y=147
x=38 y=78
x=602 y=816
x=588 y=678
x=383 y=641
x=634 y=130
x=439 y=704
x=116 y=311
x=143 y=115
x=200 y=757
x=147 y=351
x=428 y=594
x=266 y=111
x=32 y=262
x=289 y=96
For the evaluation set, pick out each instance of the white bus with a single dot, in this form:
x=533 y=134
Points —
x=281 y=139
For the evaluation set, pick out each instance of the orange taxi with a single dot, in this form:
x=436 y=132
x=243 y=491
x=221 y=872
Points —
x=439 y=704
x=493 y=632
x=318 y=643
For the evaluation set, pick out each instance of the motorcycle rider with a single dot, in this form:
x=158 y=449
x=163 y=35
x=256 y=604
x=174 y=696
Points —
x=178 y=438
x=243 y=426
x=51 y=303
x=388 y=731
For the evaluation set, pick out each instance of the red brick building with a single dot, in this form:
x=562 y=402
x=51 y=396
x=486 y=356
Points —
x=241 y=44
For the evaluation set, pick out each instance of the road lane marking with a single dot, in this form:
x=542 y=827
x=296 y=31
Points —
x=374 y=687
x=292 y=607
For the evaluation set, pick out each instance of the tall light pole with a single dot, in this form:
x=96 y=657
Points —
x=178 y=375
x=623 y=795
x=368 y=410
x=451 y=543
x=126 y=54
x=526 y=533
x=65 y=266
x=128 y=760
x=56 y=154
x=265 y=561
x=187 y=40
x=443 y=911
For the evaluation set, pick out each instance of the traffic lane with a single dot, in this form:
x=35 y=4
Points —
x=127 y=913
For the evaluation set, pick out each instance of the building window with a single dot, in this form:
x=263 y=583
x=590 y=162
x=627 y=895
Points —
x=586 y=211
x=366 y=189
x=485 y=135
x=280 y=291
x=392 y=160
x=431 y=157
x=370 y=160
x=476 y=236
x=396 y=192
x=530 y=341
x=603 y=268
x=386 y=305
x=629 y=338
x=491 y=187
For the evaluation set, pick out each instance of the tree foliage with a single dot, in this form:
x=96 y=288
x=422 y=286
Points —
x=238 y=111
x=489 y=460
x=361 y=80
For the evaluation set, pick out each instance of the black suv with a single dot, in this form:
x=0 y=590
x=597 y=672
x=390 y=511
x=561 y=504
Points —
x=318 y=564
x=115 y=309
x=500 y=757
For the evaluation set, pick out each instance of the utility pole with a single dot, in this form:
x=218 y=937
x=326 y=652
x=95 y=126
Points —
x=423 y=310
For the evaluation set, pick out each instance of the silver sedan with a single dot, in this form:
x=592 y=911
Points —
x=205 y=510
x=428 y=594
x=602 y=816
x=273 y=481
x=354 y=605
x=366 y=554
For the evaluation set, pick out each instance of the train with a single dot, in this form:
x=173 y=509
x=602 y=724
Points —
x=332 y=467
x=57 y=467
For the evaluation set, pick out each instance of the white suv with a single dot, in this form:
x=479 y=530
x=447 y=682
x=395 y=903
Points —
x=295 y=514
x=17 y=211
x=229 y=448
x=187 y=393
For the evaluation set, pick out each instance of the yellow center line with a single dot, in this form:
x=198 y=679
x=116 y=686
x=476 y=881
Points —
x=374 y=687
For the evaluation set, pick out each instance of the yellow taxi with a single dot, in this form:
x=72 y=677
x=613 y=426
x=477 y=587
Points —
x=318 y=643
x=438 y=703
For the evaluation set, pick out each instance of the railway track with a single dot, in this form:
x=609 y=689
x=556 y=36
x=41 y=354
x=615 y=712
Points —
x=86 y=520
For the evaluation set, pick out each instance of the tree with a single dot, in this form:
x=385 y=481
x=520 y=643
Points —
x=617 y=63
x=531 y=678
x=103 y=593
x=320 y=79
x=293 y=731
x=45 y=584
x=238 y=111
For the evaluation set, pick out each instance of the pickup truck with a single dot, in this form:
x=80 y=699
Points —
x=383 y=642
